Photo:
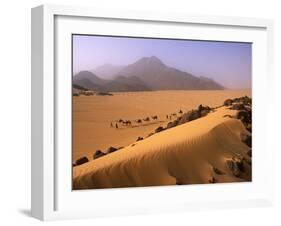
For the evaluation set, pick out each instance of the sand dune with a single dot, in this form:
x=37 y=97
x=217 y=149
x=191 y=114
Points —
x=195 y=152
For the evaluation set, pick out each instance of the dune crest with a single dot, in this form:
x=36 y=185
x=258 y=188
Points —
x=206 y=150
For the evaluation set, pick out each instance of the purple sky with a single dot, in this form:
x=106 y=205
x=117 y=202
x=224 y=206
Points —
x=228 y=63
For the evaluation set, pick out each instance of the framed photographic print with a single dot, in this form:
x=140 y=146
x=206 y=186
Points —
x=137 y=112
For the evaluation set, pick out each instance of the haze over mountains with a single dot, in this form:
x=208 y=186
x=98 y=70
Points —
x=107 y=71
x=146 y=74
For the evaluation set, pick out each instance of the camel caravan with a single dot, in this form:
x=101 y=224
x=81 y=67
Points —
x=124 y=123
x=121 y=123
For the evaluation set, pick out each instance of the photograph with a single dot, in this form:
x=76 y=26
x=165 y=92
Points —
x=152 y=111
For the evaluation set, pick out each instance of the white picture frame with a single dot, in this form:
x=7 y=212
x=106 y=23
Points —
x=52 y=197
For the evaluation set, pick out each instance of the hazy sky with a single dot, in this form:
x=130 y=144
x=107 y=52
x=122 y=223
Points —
x=228 y=63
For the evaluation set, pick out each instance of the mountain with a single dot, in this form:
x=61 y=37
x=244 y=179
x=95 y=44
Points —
x=156 y=75
x=107 y=71
x=148 y=73
x=89 y=80
x=88 y=76
x=123 y=84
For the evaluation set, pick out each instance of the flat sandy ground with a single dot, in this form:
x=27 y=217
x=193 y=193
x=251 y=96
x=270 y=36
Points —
x=92 y=115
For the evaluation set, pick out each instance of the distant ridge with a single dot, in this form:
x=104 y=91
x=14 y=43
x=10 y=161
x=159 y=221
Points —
x=148 y=73
x=89 y=80
x=107 y=71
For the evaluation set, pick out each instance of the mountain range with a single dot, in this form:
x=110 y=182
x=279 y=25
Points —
x=107 y=71
x=146 y=74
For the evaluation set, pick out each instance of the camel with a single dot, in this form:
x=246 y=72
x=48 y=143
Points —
x=127 y=123
x=146 y=119
x=155 y=117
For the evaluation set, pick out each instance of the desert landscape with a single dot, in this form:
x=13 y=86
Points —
x=149 y=124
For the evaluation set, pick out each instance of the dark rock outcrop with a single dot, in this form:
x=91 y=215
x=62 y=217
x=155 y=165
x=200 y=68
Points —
x=233 y=166
x=172 y=124
x=217 y=171
x=104 y=94
x=238 y=107
x=228 y=102
x=189 y=116
x=81 y=161
x=212 y=180
x=236 y=165
x=139 y=138
x=111 y=149
x=247 y=139
x=245 y=116
x=149 y=135
x=98 y=154
x=249 y=153
x=159 y=129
